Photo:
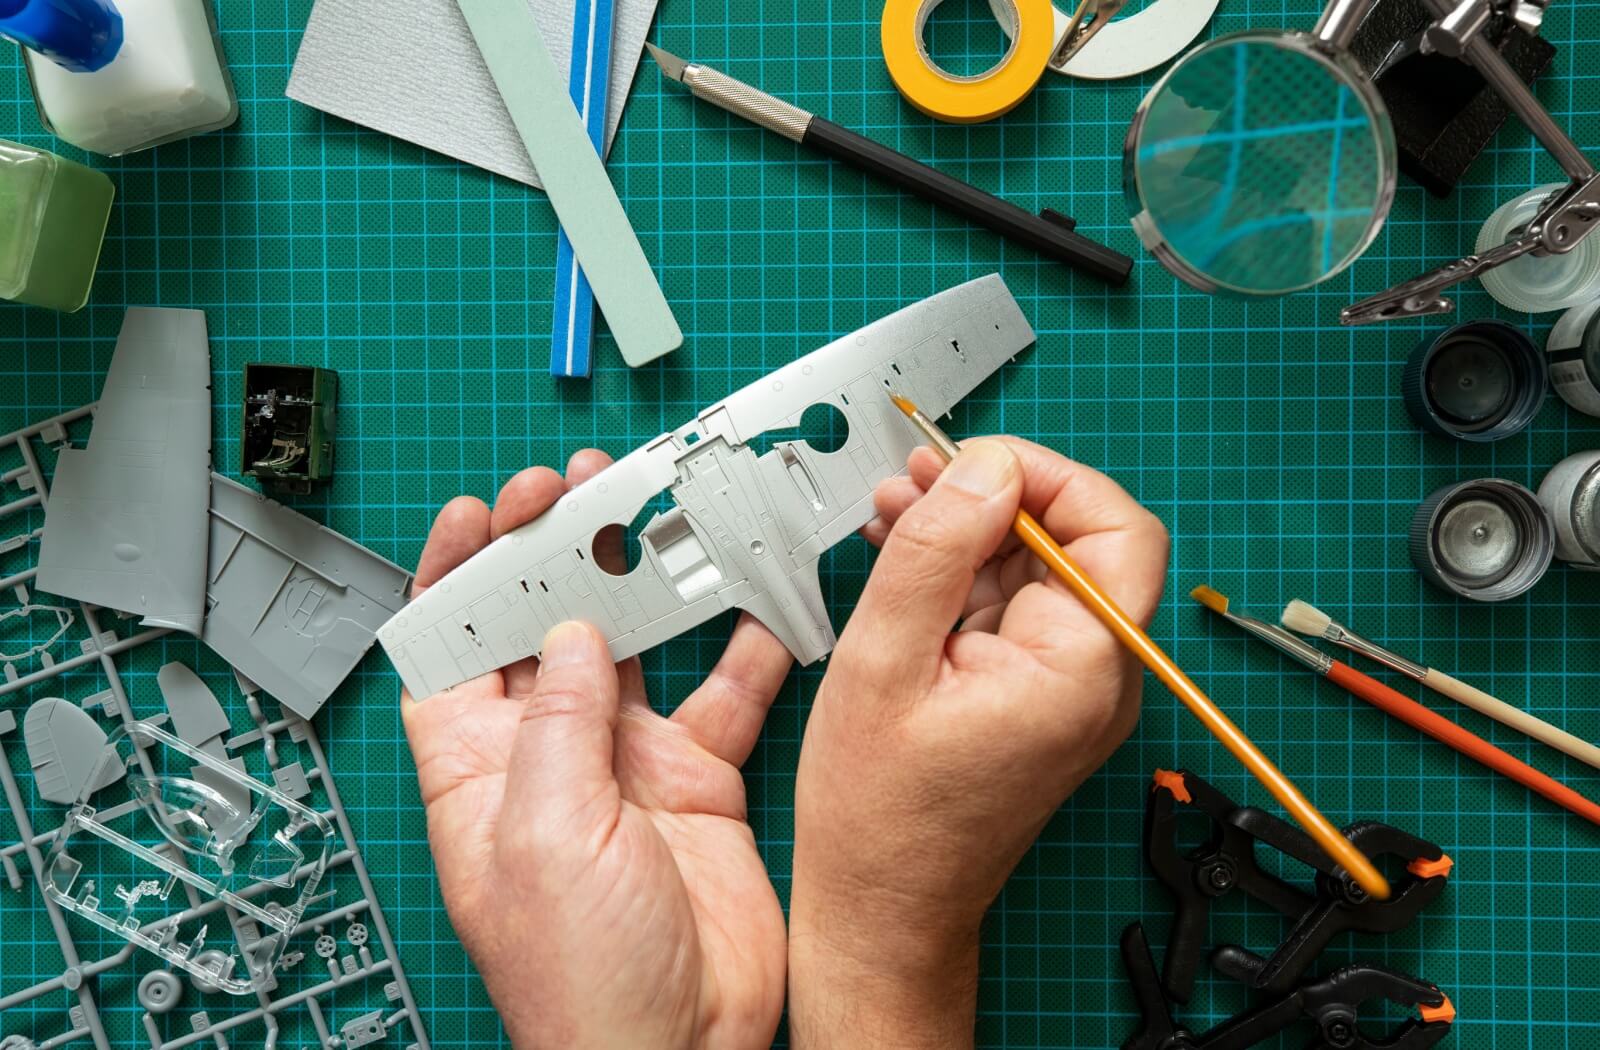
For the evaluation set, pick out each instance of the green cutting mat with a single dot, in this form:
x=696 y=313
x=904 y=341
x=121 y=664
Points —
x=1271 y=441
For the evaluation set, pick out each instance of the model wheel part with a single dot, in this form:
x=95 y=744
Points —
x=326 y=946
x=357 y=933
x=160 y=991
x=217 y=962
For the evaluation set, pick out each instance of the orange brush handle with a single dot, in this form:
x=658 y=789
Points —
x=1445 y=731
x=1131 y=635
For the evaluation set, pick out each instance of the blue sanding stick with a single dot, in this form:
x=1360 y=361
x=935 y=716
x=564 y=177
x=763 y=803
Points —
x=572 y=321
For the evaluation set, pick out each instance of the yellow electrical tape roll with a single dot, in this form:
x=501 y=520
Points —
x=966 y=100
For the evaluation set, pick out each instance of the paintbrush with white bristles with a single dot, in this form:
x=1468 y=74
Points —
x=1309 y=620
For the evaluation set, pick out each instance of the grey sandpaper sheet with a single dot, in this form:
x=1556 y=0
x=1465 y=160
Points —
x=410 y=68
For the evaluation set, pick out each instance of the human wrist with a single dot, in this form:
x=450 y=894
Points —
x=879 y=986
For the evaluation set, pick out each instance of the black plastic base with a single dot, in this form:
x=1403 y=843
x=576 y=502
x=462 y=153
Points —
x=1444 y=114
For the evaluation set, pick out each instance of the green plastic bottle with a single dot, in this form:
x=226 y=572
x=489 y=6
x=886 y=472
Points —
x=53 y=215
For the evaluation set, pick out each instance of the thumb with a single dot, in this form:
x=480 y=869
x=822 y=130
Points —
x=559 y=780
x=929 y=561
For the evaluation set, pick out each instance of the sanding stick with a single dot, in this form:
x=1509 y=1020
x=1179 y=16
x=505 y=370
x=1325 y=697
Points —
x=585 y=202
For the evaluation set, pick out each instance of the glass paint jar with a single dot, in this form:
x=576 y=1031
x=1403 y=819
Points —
x=53 y=215
x=169 y=80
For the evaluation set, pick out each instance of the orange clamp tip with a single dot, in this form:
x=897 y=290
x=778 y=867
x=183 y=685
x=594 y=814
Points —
x=1423 y=868
x=1173 y=782
x=1444 y=1012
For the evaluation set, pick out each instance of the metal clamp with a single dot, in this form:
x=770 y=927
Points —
x=1561 y=224
x=1160 y=32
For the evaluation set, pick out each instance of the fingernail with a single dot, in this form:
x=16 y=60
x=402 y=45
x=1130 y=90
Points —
x=983 y=468
x=567 y=643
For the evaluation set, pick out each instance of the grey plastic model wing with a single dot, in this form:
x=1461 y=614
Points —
x=198 y=720
x=64 y=745
x=125 y=527
x=746 y=530
x=292 y=606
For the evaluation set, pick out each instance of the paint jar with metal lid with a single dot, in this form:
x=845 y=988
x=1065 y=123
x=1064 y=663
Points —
x=1571 y=493
x=1573 y=351
x=1488 y=539
x=1477 y=381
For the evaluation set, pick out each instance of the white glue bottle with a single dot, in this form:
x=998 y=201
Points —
x=1573 y=351
x=167 y=80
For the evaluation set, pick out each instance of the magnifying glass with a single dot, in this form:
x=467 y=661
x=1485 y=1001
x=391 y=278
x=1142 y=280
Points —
x=1260 y=164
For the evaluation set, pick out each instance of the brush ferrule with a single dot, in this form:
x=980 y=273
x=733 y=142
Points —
x=1374 y=652
x=1285 y=642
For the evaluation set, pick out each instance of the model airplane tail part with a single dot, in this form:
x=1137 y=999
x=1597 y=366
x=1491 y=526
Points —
x=746 y=530
x=127 y=514
x=64 y=744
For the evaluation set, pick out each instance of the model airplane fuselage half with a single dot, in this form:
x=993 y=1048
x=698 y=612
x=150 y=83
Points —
x=746 y=530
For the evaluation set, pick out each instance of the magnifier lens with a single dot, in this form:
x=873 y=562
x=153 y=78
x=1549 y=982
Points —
x=1260 y=164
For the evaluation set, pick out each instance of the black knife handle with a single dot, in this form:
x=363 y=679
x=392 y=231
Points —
x=1052 y=239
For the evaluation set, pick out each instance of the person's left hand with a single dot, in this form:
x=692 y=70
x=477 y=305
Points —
x=594 y=856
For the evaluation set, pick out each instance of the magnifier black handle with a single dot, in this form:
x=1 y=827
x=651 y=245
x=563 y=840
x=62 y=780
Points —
x=1052 y=238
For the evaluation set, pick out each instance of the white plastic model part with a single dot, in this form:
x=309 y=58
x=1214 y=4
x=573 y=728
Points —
x=168 y=81
x=114 y=864
x=746 y=529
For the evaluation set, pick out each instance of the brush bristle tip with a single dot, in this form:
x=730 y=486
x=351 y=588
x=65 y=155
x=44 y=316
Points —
x=1211 y=599
x=1305 y=619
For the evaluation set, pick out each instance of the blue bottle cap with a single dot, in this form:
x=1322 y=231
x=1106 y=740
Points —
x=81 y=35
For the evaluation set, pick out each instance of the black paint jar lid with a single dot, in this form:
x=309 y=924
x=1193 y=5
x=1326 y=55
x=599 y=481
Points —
x=1478 y=381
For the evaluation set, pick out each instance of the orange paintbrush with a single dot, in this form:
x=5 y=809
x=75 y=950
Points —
x=1137 y=642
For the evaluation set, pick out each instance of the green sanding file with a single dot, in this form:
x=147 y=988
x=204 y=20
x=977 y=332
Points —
x=575 y=178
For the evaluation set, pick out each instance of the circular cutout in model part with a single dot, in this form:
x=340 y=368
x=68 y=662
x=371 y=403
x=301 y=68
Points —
x=1571 y=495
x=1479 y=381
x=1488 y=540
x=1537 y=283
x=967 y=99
x=1259 y=164
x=160 y=991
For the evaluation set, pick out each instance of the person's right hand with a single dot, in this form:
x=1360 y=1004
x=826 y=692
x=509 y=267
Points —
x=933 y=759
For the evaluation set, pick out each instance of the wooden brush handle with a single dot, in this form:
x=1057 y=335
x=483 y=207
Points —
x=1514 y=717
